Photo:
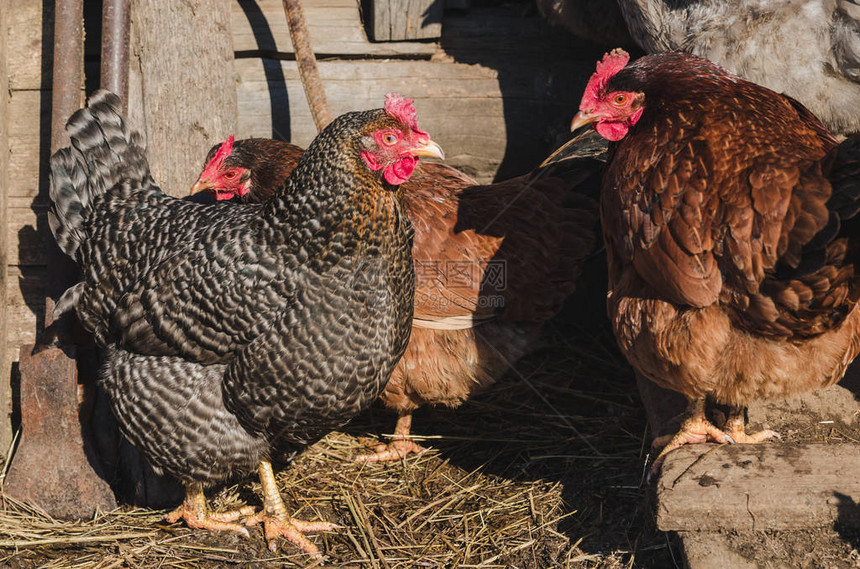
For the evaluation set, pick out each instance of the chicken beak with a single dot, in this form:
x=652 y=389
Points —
x=201 y=185
x=583 y=144
x=429 y=149
x=581 y=119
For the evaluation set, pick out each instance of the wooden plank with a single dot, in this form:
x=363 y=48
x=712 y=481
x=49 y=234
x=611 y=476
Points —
x=5 y=385
x=759 y=487
x=334 y=25
x=29 y=30
x=27 y=236
x=486 y=129
x=25 y=302
x=393 y=20
x=29 y=142
x=183 y=76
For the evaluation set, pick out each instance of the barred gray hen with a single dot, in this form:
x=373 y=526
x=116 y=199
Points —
x=240 y=334
x=493 y=264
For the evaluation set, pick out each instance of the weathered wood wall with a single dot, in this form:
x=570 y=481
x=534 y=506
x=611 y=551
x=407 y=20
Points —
x=181 y=70
x=496 y=91
x=398 y=20
x=29 y=36
x=5 y=387
x=181 y=89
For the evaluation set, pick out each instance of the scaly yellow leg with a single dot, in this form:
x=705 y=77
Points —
x=275 y=520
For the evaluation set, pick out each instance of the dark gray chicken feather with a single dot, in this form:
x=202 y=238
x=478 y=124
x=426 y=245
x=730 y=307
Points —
x=233 y=327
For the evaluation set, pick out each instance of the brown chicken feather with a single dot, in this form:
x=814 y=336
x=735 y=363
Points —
x=727 y=220
x=492 y=264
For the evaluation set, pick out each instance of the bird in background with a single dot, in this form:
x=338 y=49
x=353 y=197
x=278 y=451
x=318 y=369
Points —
x=807 y=49
x=237 y=335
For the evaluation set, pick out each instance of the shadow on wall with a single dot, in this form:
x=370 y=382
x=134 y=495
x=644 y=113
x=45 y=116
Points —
x=542 y=72
x=277 y=83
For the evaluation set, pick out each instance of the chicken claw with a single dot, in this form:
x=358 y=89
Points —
x=736 y=429
x=293 y=530
x=695 y=429
x=275 y=520
x=397 y=449
x=197 y=515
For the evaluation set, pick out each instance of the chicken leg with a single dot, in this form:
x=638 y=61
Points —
x=695 y=429
x=276 y=521
x=399 y=448
x=196 y=513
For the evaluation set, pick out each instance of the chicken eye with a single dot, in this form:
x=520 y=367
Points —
x=619 y=99
x=389 y=138
x=230 y=174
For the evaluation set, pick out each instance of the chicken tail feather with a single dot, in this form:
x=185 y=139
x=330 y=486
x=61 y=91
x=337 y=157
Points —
x=103 y=153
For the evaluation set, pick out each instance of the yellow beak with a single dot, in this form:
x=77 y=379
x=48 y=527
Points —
x=429 y=149
x=581 y=119
x=201 y=186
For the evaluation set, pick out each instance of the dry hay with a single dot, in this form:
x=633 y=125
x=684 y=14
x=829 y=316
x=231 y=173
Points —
x=544 y=470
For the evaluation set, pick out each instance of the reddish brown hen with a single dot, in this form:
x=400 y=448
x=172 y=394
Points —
x=492 y=264
x=727 y=215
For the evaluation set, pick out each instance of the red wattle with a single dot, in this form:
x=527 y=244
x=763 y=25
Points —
x=400 y=171
x=612 y=131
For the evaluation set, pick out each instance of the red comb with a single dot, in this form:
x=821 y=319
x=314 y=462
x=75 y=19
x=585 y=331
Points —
x=612 y=63
x=402 y=110
x=225 y=150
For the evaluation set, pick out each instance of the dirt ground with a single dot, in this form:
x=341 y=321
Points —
x=545 y=470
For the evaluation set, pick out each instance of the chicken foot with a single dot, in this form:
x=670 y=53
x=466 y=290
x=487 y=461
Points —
x=196 y=514
x=399 y=448
x=735 y=428
x=275 y=520
x=695 y=429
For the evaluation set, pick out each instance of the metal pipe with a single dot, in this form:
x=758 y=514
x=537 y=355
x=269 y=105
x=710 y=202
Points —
x=115 y=39
x=67 y=97
x=68 y=67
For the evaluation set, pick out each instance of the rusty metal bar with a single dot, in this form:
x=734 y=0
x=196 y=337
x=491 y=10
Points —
x=67 y=97
x=307 y=63
x=115 y=35
x=68 y=67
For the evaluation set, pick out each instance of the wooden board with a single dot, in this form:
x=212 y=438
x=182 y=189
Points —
x=485 y=129
x=29 y=143
x=260 y=26
x=481 y=95
x=392 y=20
x=29 y=31
x=759 y=487
x=182 y=86
x=27 y=235
x=5 y=387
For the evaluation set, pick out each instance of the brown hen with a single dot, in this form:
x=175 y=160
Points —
x=727 y=215
x=492 y=264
